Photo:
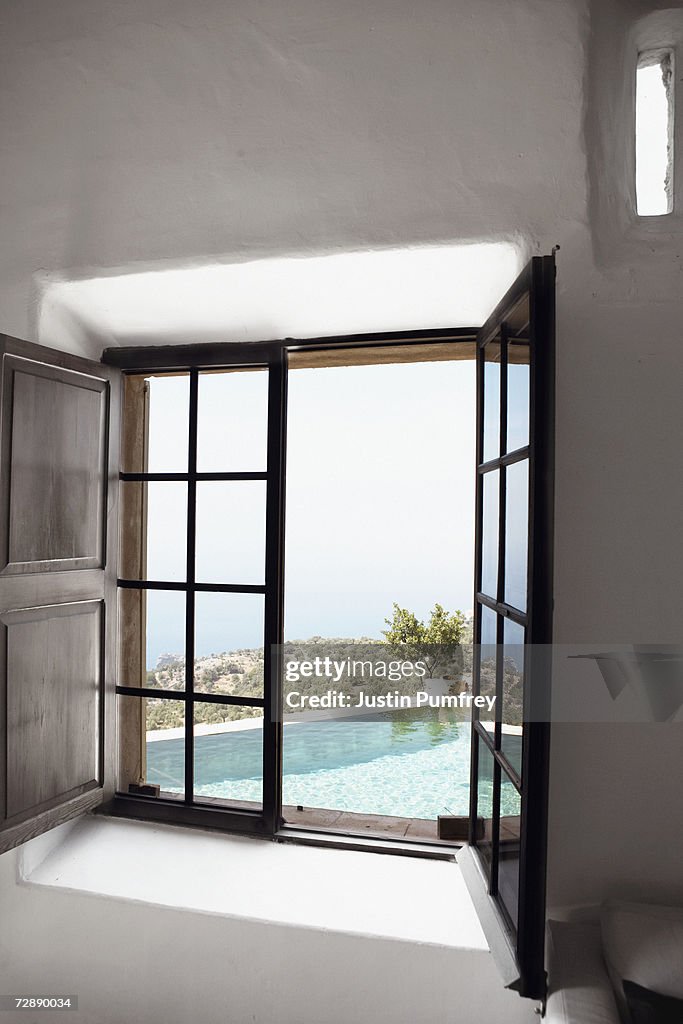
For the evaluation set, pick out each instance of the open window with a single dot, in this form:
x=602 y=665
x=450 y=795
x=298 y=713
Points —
x=198 y=740
x=513 y=623
x=200 y=570
x=67 y=593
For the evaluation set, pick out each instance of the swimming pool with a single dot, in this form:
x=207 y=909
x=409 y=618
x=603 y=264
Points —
x=388 y=764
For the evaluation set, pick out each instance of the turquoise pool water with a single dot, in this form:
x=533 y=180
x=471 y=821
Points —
x=388 y=764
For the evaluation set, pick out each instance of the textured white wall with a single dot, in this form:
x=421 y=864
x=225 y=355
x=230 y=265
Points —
x=616 y=819
x=155 y=133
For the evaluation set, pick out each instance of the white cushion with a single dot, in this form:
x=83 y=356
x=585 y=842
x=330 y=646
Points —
x=643 y=943
x=579 y=990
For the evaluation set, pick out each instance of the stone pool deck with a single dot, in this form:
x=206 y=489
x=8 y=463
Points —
x=419 y=829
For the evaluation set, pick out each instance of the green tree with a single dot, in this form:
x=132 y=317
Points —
x=436 y=643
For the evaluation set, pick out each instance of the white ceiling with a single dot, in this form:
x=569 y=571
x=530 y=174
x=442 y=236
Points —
x=384 y=290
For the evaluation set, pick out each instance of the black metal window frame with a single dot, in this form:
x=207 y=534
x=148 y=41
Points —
x=194 y=359
x=526 y=935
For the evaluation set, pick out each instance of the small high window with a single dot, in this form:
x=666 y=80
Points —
x=654 y=133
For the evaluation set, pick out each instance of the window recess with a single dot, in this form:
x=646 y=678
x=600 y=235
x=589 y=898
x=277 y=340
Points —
x=61 y=613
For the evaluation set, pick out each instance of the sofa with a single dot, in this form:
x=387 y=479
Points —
x=622 y=965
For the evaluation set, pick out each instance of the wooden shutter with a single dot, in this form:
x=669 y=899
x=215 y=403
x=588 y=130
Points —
x=59 y=435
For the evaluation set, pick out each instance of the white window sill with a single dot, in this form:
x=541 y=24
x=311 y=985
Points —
x=403 y=898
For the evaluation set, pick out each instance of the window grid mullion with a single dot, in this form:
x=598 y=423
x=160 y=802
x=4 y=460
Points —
x=502 y=513
x=182 y=477
x=190 y=597
x=202 y=588
x=198 y=698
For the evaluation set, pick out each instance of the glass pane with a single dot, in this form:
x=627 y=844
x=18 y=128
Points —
x=509 y=846
x=513 y=693
x=491 y=447
x=487 y=664
x=237 y=673
x=518 y=394
x=155 y=519
x=169 y=404
x=228 y=755
x=165 y=744
x=484 y=824
x=229 y=644
x=152 y=639
x=232 y=421
x=516 y=534
x=151 y=743
x=231 y=531
x=489 y=534
x=165 y=632
x=517 y=319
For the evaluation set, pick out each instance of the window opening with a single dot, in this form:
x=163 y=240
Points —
x=654 y=133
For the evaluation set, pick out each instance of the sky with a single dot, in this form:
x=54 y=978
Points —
x=380 y=500
x=652 y=133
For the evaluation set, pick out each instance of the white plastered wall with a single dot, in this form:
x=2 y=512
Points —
x=162 y=133
x=616 y=814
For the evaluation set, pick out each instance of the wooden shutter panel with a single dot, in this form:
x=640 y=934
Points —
x=59 y=435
